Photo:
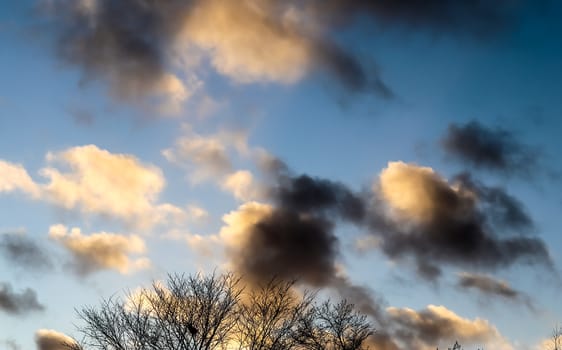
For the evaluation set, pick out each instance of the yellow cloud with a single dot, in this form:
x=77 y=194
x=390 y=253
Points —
x=415 y=192
x=439 y=324
x=242 y=185
x=238 y=223
x=100 y=182
x=15 y=177
x=48 y=339
x=102 y=250
x=247 y=42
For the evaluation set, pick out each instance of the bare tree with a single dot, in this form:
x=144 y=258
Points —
x=334 y=327
x=189 y=313
x=269 y=316
x=216 y=312
x=556 y=337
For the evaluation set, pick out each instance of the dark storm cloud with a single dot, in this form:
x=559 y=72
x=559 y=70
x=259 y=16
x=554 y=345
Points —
x=289 y=245
x=122 y=41
x=308 y=194
x=487 y=285
x=23 y=251
x=18 y=303
x=449 y=225
x=489 y=148
x=296 y=239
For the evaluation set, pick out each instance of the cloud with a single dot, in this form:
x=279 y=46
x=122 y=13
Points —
x=16 y=303
x=48 y=339
x=122 y=43
x=94 y=181
x=488 y=286
x=100 y=251
x=207 y=156
x=250 y=41
x=435 y=222
x=307 y=194
x=494 y=149
x=159 y=49
x=104 y=183
x=23 y=251
x=242 y=185
x=14 y=177
x=413 y=215
x=263 y=241
x=438 y=326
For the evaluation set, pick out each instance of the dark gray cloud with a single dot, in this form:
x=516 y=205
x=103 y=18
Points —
x=494 y=149
x=18 y=303
x=487 y=285
x=124 y=42
x=462 y=225
x=296 y=238
x=289 y=245
x=133 y=44
x=23 y=251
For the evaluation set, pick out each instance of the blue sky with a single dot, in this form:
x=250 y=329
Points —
x=167 y=146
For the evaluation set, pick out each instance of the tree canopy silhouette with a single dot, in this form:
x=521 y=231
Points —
x=217 y=311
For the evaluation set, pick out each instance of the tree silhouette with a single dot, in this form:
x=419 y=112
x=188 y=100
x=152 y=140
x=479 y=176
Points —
x=211 y=312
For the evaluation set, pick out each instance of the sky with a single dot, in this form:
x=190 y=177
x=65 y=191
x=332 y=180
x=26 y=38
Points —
x=400 y=154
